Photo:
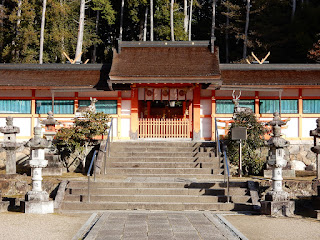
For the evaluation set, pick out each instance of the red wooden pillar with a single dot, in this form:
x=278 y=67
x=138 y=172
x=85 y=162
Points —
x=196 y=113
x=134 y=113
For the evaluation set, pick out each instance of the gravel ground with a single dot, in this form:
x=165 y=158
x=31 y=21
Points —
x=14 y=226
x=282 y=228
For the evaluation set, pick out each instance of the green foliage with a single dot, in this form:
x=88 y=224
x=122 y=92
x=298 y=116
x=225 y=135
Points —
x=76 y=139
x=107 y=11
x=252 y=163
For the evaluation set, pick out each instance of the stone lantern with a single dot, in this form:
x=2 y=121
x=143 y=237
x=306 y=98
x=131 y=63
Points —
x=316 y=148
x=37 y=201
x=50 y=126
x=10 y=145
x=277 y=200
x=54 y=167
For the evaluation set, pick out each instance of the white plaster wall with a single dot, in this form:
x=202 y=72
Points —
x=114 y=127
x=222 y=124
x=205 y=107
x=307 y=125
x=125 y=107
x=125 y=127
x=292 y=128
x=16 y=93
x=206 y=127
x=25 y=126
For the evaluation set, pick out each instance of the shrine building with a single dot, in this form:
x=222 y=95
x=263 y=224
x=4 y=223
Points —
x=162 y=90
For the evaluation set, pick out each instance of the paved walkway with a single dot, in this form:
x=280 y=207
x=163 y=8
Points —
x=152 y=225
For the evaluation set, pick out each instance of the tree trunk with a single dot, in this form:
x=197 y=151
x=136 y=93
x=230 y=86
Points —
x=63 y=58
x=121 y=20
x=171 y=20
x=94 y=53
x=213 y=26
x=145 y=25
x=190 y=20
x=245 y=42
x=43 y=22
x=186 y=19
x=1 y=26
x=80 y=32
x=151 y=20
x=227 y=35
x=294 y=7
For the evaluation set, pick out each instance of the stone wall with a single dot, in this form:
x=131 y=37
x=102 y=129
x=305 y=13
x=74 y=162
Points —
x=301 y=151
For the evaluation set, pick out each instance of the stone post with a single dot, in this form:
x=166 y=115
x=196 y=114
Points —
x=10 y=145
x=37 y=201
x=3 y=205
x=316 y=148
x=277 y=200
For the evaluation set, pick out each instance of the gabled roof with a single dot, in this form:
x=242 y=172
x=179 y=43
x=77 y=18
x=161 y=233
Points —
x=165 y=62
x=54 y=75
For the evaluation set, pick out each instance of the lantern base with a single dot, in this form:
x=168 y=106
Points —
x=278 y=208
x=37 y=207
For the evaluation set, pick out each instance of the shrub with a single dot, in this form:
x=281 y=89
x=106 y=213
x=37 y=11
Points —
x=252 y=163
x=77 y=139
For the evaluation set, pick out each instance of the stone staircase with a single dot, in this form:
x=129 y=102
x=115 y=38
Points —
x=163 y=159
x=159 y=176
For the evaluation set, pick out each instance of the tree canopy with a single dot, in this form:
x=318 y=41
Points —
x=288 y=29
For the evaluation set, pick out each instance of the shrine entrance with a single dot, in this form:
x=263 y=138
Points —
x=164 y=119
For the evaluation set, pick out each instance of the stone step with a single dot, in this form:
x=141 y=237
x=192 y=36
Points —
x=154 y=149
x=162 y=144
x=157 y=191
x=161 y=154
x=162 y=159
x=155 y=206
x=147 y=198
x=165 y=171
x=162 y=165
x=147 y=183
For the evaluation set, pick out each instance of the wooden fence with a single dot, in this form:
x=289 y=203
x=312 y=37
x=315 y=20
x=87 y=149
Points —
x=164 y=128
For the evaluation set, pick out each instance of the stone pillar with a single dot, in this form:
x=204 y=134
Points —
x=10 y=145
x=196 y=113
x=37 y=201
x=277 y=200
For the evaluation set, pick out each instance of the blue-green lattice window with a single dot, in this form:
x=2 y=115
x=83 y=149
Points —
x=311 y=106
x=227 y=106
x=60 y=106
x=105 y=106
x=271 y=106
x=15 y=106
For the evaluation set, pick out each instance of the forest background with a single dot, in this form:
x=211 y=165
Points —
x=289 y=29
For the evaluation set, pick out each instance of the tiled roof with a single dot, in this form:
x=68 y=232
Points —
x=170 y=63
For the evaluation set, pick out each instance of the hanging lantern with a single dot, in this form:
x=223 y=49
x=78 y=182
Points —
x=149 y=93
x=182 y=92
x=172 y=103
x=165 y=92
